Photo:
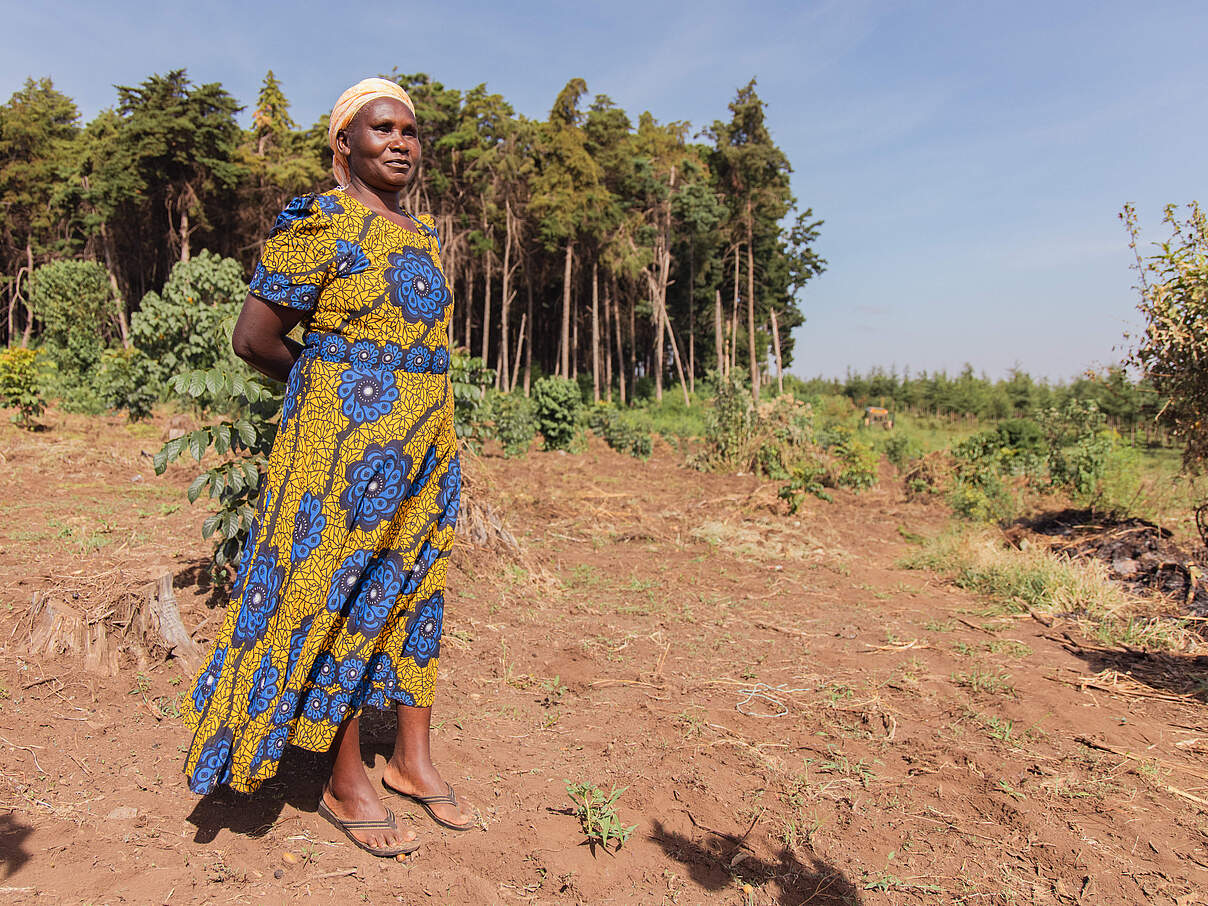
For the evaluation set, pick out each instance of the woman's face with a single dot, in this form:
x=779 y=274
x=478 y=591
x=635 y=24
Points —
x=382 y=145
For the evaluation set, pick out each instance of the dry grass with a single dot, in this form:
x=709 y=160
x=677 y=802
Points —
x=1038 y=581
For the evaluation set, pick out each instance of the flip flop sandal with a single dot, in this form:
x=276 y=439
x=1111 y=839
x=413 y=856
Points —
x=427 y=802
x=387 y=823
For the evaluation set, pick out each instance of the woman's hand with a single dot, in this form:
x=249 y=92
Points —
x=260 y=340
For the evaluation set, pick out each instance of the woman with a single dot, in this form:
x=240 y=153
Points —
x=338 y=601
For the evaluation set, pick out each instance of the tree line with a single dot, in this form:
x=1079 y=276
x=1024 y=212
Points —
x=630 y=256
x=1127 y=403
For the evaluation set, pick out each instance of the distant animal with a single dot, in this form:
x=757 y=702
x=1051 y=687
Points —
x=874 y=415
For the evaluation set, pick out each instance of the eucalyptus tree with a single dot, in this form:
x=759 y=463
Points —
x=754 y=175
x=180 y=141
x=566 y=190
x=38 y=126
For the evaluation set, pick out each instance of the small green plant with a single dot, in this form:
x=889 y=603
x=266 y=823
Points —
x=597 y=814
x=626 y=432
x=124 y=381
x=21 y=385
x=244 y=440
x=991 y=682
x=515 y=421
x=558 y=403
x=469 y=379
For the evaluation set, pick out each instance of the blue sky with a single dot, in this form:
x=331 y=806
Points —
x=968 y=158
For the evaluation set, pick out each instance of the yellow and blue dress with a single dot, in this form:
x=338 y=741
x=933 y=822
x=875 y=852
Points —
x=339 y=598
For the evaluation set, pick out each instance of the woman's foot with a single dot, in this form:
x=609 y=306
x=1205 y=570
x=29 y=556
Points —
x=360 y=803
x=424 y=781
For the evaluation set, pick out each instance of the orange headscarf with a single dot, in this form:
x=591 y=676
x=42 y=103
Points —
x=350 y=102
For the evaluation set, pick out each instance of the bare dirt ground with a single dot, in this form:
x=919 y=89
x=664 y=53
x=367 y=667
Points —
x=795 y=718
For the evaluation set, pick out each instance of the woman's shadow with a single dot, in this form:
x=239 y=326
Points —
x=299 y=782
x=711 y=863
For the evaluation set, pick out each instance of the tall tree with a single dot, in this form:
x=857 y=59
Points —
x=754 y=174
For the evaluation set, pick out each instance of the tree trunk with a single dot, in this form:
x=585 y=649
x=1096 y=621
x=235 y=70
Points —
x=616 y=320
x=519 y=345
x=595 y=329
x=184 y=232
x=692 y=315
x=505 y=303
x=751 y=305
x=29 y=302
x=469 y=305
x=528 y=349
x=564 y=357
x=659 y=320
x=776 y=346
x=607 y=347
x=633 y=350
x=719 y=334
x=122 y=324
x=734 y=318
x=486 y=309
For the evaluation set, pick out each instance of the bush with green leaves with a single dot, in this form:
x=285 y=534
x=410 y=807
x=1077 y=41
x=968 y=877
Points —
x=187 y=325
x=626 y=432
x=515 y=422
x=808 y=476
x=75 y=302
x=857 y=460
x=901 y=450
x=243 y=440
x=469 y=379
x=124 y=382
x=21 y=385
x=558 y=404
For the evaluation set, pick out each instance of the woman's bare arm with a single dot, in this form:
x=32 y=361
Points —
x=259 y=337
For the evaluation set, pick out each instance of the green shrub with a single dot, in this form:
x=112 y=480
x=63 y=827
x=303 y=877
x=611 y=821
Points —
x=809 y=476
x=469 y=379
x=728 y=427
x=515 y=418
x=557 y=404
x=187 y=326
x=901 y=450
x=124 y=382
x=245 y=440
x=629 y=432
x=21 y=385
x=75 y=302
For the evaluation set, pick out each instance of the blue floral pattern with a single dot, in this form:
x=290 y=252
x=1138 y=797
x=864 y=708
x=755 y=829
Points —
x=287 y=707
x=420 y=481
x=327 y=204
x=350 y=259
x=213 y=764
x=366 y=395
x=316 y=705
x=424 y=628
x=273 y=286
x=209 y=677
x=346 y=579
x=389 y=356
x=424 y=561
x=364 y=353
x=417 y=286
x=333 y=348
x=440 y=361
x=264 y=686
x=260 y=597
x=350 y=673
x=417 y=360
x=377 y=485
x=309 y=523
x=448 y=501
x=376 y=596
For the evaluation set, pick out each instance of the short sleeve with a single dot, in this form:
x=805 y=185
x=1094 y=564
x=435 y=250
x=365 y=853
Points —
x=295 y=263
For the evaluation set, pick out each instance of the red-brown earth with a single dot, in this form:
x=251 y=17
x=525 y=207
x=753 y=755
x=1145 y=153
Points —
x=795 y=718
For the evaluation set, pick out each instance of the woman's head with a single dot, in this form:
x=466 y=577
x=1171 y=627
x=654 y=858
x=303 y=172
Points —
x=373 y=133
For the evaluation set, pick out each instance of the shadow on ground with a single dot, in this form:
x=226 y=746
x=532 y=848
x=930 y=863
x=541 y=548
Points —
x=12 y=836
x=299 y=782
x=708 y=863
x=1180 y=674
